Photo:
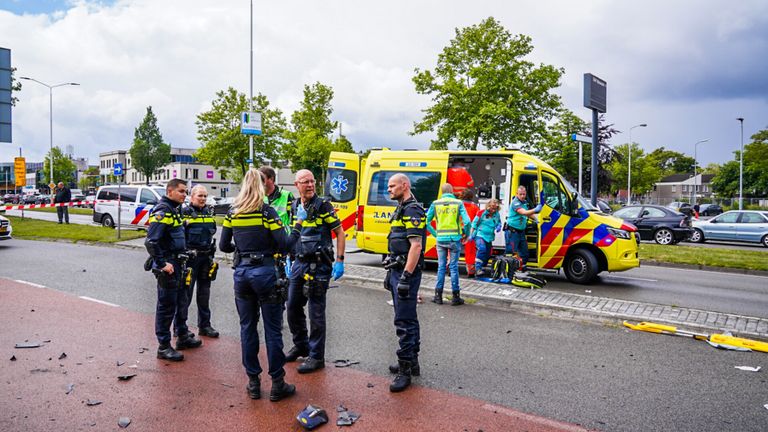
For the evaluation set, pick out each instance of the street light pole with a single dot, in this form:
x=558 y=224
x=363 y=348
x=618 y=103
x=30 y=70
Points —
x=50 y=112
x=629 y=162
x=741 y=160
x=695 y=162
x=250 y=99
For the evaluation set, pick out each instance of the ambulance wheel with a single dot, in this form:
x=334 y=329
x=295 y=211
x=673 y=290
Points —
x=697 y=236
x=581 y=267
x=663 y=236
x=107 y=221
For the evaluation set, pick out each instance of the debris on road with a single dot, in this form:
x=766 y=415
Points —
x=70 y=388
x=725 y=340
x=13 y=358
x=63 y=356
x=120 y=363
x=92 y=402
x=346 y=417
x=748 y=368
x=312 y=417
x=27 y=344
x=123 y=422
x=344 y=363
x=125 y=377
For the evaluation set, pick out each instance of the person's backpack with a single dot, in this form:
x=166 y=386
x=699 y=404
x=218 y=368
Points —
x=505 y=266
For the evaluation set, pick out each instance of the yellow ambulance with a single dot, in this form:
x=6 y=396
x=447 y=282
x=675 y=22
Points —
x=569 y=232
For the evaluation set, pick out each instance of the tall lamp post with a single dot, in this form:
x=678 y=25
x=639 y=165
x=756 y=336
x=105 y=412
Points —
x=50 y=112
x=629 y=162
x=741 y=160
x=695 y=162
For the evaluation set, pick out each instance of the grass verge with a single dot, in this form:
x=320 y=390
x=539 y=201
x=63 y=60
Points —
x=72 y=210
x=714 y=257
x=35 y=229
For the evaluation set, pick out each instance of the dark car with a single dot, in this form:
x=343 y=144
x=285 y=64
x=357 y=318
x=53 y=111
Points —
x=710 y=210
x=657 y=223
x=222 y=205
x=31 y=199
x=682 y=207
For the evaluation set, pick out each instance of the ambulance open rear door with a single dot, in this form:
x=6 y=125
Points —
x=342 y=182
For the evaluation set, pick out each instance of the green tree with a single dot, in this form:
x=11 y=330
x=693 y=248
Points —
x=311 y=132
x=89 y=178
x=755 y=175
x=726 y=182
x=225 y=147
x=671 y=162
x=15 y=87
x=149 y=152
x=645 y=172
x=485 y=92
x=63 y=168
x=712 y=168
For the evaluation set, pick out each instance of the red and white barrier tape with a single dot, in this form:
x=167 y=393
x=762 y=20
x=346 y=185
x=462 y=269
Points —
x=35 y=206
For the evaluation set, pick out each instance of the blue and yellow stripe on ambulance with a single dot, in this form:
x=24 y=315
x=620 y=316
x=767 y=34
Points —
x=561 y=231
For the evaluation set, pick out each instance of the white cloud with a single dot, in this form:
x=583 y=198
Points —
x=686 y=68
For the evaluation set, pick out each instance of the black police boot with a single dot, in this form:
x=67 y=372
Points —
x=403 y=378
x=209 y=332
x=294 y=353
x=438 y=297
x=281 y=389
x=415 y=368
x=187 y=341
x=254 y=387
x=310 y=365
x=166 y=352
x=457 y=300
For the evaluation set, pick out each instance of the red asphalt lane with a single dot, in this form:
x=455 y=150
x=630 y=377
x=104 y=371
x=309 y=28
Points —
x=205 y=392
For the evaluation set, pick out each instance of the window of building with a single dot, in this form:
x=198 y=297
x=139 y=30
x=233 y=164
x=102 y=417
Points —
x=674 y=188
x=194 y=173
x=221 y=174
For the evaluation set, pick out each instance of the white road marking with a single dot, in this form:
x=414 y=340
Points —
x=632 y=278
x=99 y=301
x=30 y=283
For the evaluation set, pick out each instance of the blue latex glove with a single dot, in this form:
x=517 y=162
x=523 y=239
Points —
x=538 y=208
x=338 y=270
x=288 y=266
x=301 y=212
x=498 y=228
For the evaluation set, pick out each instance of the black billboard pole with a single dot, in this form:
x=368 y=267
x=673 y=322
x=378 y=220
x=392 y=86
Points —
x=595 y=98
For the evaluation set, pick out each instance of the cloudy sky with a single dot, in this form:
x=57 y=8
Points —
x=686 y=68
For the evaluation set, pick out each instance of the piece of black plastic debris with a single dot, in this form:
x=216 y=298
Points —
x=92 y=402
x=142 y=350
x=31 y=310
x=123 y=422
x=509 y=331
x=369 y=385
x=344 y=363
x=63 y=356
x=50 y=358
x=39 y=370
x=126 y=377
x=13 y=358
x=341 y=408
x=70 y=388
x=47 y=341
x=83 y=270
x=26 y=344
x=120 y=363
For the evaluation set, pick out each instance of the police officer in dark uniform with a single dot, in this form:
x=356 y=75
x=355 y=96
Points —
x=200 y=228
x=165 y=244
x=406 y=240
x=258 y=236
x=313 y=267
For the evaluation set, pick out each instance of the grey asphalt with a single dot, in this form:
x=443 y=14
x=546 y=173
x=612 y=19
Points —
x=600 y=376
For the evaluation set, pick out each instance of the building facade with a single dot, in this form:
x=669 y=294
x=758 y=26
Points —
x=681 y=187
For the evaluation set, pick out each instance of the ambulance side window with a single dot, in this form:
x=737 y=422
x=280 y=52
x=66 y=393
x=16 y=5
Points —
x=340 y=184
x=424 y=186
x=554 y=194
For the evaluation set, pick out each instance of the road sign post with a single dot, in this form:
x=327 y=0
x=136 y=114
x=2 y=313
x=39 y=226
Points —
x=118 y=171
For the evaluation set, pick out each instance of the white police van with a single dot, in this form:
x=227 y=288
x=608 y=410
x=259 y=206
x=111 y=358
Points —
x=135 y=204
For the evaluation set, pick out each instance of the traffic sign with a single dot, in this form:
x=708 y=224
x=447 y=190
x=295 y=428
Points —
x=581 y=138
x=250 y=123
x=20 y=171
x=118 y=169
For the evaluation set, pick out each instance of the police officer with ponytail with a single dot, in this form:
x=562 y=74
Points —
x=258 y=235
x=314 y=264
x=406 y=240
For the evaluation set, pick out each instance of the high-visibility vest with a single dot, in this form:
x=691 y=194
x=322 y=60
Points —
x=447 y=215
x=280 y=204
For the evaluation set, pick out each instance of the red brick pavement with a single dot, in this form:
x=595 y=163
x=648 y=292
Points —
x=205 y=392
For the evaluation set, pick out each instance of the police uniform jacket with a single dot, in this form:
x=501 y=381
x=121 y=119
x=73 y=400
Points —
x=260 y=232
x=321 y=221
x=407 y=221
x=199 y=227
x=165 y=236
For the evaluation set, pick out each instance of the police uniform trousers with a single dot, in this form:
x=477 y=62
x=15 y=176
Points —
x=172 y=305
x=406 y=320
x=201 y=265
x=297 y=321
x=255 y=293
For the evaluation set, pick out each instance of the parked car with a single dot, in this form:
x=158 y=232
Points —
x=603 y=206
x=30 y=199
x=736 y=225
x=657 y=223
x=682 y=207
x=77 y=195
x=222 y=205
x=5 y=228
x=710 y=210
x=90 y=199
x=135 y=204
